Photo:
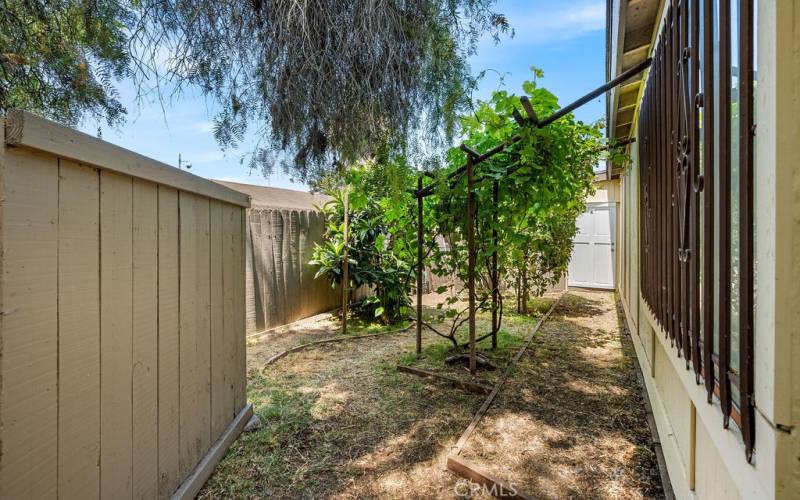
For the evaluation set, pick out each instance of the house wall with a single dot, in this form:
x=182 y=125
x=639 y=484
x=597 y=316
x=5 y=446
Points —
x=704 y=459
x=122 y=354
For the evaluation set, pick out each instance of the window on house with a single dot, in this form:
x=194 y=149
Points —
x=705 y=141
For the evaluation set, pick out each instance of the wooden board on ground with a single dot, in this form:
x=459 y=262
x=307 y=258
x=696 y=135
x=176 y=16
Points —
x=492 y=485
x=461 y=384
x=499 y=385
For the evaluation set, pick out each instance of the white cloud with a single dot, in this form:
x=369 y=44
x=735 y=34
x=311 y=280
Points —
x=559 y=20
x=205 y=157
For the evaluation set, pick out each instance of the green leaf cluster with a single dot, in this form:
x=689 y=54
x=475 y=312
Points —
x=543 y=178
x=60 y=58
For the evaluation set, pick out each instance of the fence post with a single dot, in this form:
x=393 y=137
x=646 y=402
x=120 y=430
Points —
x=345 y=276
x=420 y=265
x=471 y=259
x=495 y=277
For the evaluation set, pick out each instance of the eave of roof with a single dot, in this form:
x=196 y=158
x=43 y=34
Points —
x=638 y=24
x=271 y=197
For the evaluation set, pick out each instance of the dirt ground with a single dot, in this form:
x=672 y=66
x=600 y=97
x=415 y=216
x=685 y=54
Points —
x=339 y=420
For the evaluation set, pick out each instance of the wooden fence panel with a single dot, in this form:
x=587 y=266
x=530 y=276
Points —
x=116 y=347
x=202 y=270
x=168 y=342
x=229 y=305
x=189 y=434
x=145 y=339
x=220 y=415
x=28 y=372
x=122 y=353
x=195 y=406
x=238 y=313
x=78 y=331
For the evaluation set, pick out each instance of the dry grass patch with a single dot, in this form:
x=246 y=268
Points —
x=339 y=420
x=570 y=421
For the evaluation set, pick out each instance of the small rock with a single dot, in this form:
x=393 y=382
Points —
x=253 y=424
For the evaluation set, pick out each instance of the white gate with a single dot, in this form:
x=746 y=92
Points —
x=593 y=263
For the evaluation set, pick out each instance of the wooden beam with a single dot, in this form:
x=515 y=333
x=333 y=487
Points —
x=526 y=103
x=461 y=384
x=471 y=255
x=630 y=87
x=642 y=48
x=518 y=118
x=300 y=347
x=194 y=483
x=494 y=486
x=499 y=385
x=470 y=152
x=24 y=129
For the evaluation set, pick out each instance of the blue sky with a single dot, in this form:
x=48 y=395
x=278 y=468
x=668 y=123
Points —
x=565 y=38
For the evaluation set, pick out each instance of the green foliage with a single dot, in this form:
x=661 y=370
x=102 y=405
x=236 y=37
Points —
x=323 y=81
x=59 y=58
x=543 y=178
x=379 y=248
x=538 y=203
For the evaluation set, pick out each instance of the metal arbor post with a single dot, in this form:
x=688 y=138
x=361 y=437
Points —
x=471 y=259
x=420 y=266
x=345 y=269
x=495 y=277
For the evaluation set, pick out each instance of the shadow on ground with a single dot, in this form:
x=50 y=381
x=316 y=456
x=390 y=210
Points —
x=341 y=422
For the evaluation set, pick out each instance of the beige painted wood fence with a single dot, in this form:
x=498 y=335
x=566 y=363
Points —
x=122 y=325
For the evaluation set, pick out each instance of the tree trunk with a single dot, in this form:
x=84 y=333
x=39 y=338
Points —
x=525 y=287
x=345 y=263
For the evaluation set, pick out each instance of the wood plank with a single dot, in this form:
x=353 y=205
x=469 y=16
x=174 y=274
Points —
x=78 y=331
x=341 y=338
x=168 y=342
x=189 y=436
x=116 y=319
x=30 y=131
x=278 y=293
x=28 y=364
x=252 y=304
x=295 y=268
x=240 y=375
x=195 y=379
x=202 y=272
x=220 y=415
x=261 y=278
x=491 y=484
x=461 y=384
x=502 y=380
x=194 y=483
x=145 y=339
x=229 y=305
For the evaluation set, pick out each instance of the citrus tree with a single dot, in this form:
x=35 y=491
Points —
x=381 y=244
